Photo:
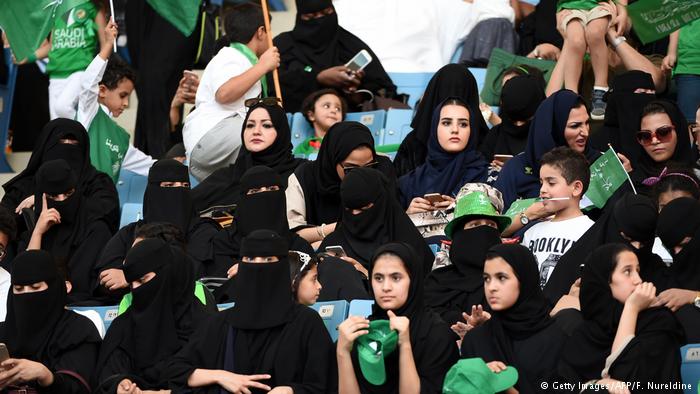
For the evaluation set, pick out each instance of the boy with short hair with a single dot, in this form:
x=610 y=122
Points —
x=212 y=131
x=106 y=87
x=564 y=175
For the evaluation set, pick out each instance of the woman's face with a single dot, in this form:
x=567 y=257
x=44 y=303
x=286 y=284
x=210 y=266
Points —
x=309 y=288
x=390 y=282
x=666 y=197
x=657 y=150
x=260 y=259
x=33 y=288
x=453 y=128
x=625 y=277
x=577 y=129
x=360 y=157
x=328 y=111
x=501 y=286
x=259 y=131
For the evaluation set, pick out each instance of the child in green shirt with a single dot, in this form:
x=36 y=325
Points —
x=322 y=109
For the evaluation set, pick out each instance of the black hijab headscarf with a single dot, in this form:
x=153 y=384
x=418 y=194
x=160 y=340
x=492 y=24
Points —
x=452 y=80
x=361 y=234
x=634 y=215
x=168 y=204
x=444 y=172
x=223 y=186
x=319 y=179
x=677 y=220
x=520 y=98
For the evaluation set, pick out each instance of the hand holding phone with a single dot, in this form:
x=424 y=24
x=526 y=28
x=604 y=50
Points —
x=359 y=61
x=434 y=198
x=336 y=251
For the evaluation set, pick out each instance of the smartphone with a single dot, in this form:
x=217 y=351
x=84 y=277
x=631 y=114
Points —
x=4 y=354
x=336 y=251
x=434 y=198
x=502 y=158
x=360 y=61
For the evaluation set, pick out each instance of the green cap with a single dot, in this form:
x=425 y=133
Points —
x=472 y=376
x=373 y=347
x=472 y=206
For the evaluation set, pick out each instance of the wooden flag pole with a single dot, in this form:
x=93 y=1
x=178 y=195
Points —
x=275 y=74
x=112 y=17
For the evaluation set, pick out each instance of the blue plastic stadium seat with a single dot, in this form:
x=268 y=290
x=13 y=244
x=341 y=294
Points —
x=301 y=129
x=690 y=367
x=398 y=125
x=223 y=307
x=412 y=84
x=374 y=120
x=480 y=76
x=457 y=54
x=131 y=187
x=107 y=313
x=7 y=92
x=360 y=308
x=333 y=313
x=131 y=212
x=289 y=119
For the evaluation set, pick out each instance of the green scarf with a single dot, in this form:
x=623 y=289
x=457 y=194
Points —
x=253 y=59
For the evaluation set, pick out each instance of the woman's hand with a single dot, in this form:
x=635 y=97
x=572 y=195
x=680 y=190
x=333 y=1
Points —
x=359 y=267
x=348 y=331
x=113 y=279
x=461 y=329
x=675 y=299
x=126 y=386
x=339 y=77
x=282 y=390
x=238 y=384
x=26 y=203
x=537 y=211
x=420 y=204
x=642 y=297
x=496 y=366
x=400 y=324
x=478 y=316
x=232 y=271
x=47 y=218
x=22 y=371
x=626 y=163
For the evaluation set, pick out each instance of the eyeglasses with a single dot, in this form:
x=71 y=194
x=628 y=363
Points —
x=268 y=101
x=662 y=134
x=349 y=167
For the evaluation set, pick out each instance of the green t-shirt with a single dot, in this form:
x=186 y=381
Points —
x=309 y=146
x=583 y=5
x=689 y=49
x=74 y=41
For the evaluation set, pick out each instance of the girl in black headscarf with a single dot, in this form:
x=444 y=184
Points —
x=621 y=335
x=520 y=332
x=223 y=186
x=520 y=97
x=452 y=80
x=426 y=347
x=66 y=139
x=266 y=340
x=313 y=191
x=452 y=160
x=163 y=314
x=39 y=330
x=662 y=138
x=65 y=228
x=679 y=230
x=314 y=53
x=633 y=222
x=168 y=199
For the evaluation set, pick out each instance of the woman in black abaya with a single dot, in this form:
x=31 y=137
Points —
x=39 y=330
x=266 y=341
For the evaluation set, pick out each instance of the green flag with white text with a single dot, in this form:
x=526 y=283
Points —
x=607 y=175
x=28 y=22
x=182 y=14
x=655 y=19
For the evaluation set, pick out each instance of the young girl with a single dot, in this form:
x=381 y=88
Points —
x=322 y=109
x=304 y=272
x=674 y=183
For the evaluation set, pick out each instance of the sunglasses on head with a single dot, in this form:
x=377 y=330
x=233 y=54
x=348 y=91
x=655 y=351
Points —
x=269 y=101
x=662 y=134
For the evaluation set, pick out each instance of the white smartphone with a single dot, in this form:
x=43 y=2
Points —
x=359 y=61
x=336 y=251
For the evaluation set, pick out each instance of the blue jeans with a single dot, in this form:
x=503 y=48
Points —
x=688 y=86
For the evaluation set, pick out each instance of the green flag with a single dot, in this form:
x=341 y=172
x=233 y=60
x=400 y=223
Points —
x=607 y=175
x=519 y=206
x=182 y=14
x=28 y=22
x=655 y=19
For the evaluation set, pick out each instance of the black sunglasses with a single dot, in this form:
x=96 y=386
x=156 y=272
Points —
x=268 y=101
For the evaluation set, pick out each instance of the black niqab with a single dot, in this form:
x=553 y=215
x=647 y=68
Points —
x=677 y=220
x=168 y=204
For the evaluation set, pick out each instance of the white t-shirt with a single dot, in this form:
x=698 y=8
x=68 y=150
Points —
x=4 y=290
x=437 y=27
x=228 y=63
x=548 y=241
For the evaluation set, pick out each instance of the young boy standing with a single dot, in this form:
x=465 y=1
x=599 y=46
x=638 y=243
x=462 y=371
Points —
x=564 y=175
x=584 y=24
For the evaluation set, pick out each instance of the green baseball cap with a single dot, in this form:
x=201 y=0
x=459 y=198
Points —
x=472 y=376
x=475 y=205
x=373 y=347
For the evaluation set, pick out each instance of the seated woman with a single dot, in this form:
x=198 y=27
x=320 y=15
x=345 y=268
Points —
x=74 y=235
x=520 y=331
x=679 y=287
x=65 y=139
x=168 y=199
x=452 y=80
x=621 y=335
x=267 y=141
x=52 y=349
x=266 y=341
x=453 y=291
x=426 y=347
x=313 y=191
x=322 y=109
x=674 y=183
x=163 y=314
x=306 y=287
x=452 y=159
x=663 y=139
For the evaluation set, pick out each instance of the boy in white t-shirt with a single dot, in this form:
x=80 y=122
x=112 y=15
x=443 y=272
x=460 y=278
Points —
x=212 y=131
x=564 y=175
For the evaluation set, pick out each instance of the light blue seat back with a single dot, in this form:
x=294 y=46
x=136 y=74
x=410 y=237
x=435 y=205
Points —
x=374 y=120
x=107 y=313
x=301 y=129
x=333 y=313
x=690 y=368
x=360 y=308
x=398 y=125
x=131 y=212
x=480 y=76
x=412 y=84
